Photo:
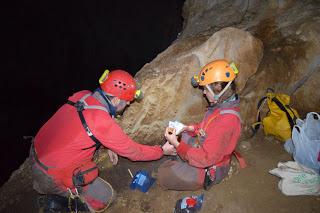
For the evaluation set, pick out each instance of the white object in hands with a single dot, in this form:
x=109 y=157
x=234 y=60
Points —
x=177 y=125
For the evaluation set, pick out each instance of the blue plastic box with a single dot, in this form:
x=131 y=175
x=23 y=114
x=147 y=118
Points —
x=142 y=181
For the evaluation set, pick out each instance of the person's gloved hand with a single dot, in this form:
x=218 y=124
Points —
x=168 y=149
x=113 y=157
x=171 y=137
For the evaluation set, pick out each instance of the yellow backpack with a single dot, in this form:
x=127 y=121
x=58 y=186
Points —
x=280 y=118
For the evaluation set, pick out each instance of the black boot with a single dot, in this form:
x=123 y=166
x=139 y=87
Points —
x=56 y=203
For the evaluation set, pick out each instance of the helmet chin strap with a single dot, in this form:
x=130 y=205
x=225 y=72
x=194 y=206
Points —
x=216 y=97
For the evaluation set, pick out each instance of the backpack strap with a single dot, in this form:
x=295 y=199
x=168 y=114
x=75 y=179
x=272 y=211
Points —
x=283 y=108
x=80 y=106
x=255 y=126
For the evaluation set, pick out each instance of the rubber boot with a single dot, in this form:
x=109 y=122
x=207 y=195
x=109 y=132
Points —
x=55 y=203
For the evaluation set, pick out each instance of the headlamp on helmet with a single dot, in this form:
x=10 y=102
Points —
x=139 y=95
x=195 y=81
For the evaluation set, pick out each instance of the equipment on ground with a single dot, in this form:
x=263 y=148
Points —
x=142 y=181
x=280 y=118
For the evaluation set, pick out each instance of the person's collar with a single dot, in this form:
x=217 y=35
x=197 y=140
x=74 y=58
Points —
x=232 y=101
x=233 y=97
x=104 y=100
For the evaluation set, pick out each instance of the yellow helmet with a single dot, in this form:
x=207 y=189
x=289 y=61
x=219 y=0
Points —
x=215 y=71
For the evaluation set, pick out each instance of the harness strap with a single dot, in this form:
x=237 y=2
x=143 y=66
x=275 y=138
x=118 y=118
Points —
x=80 y=106
x=222 y=112
x=239 y=157
x=86 y=106
x=84 y=98
x=230 y=111
x=96 y=107
x=241 y=160
x=209 y=121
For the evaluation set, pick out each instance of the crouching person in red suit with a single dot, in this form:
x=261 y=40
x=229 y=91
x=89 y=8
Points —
x=63 y=149
x=205 y=148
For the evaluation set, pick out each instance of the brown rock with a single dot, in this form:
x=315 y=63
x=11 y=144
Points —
x=166 y=81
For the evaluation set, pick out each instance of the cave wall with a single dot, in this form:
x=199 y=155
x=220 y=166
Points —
x=290 y=35
x=280 y=50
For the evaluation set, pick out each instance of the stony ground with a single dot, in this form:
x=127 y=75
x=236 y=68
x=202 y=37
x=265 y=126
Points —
x=247 y=190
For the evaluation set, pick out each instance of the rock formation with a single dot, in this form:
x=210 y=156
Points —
x=166 y=80
x=284 y=32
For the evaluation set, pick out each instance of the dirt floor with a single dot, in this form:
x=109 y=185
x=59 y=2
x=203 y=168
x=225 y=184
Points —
x=247 y=190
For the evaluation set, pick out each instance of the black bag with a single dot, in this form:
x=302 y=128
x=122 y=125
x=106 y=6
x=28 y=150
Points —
x=85 y=174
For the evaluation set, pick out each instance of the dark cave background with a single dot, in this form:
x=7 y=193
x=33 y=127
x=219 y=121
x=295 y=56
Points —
x=53 y=49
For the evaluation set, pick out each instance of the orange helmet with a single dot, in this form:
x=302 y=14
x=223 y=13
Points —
x=215 y=71
x=118 y=83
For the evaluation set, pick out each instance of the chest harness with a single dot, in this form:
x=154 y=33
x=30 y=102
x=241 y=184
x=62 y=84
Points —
x=209 y=180
x=202 y=131
x=82 y=105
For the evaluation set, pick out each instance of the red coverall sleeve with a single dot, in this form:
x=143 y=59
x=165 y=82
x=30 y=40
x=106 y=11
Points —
x=215 y=146
x=120 y=143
